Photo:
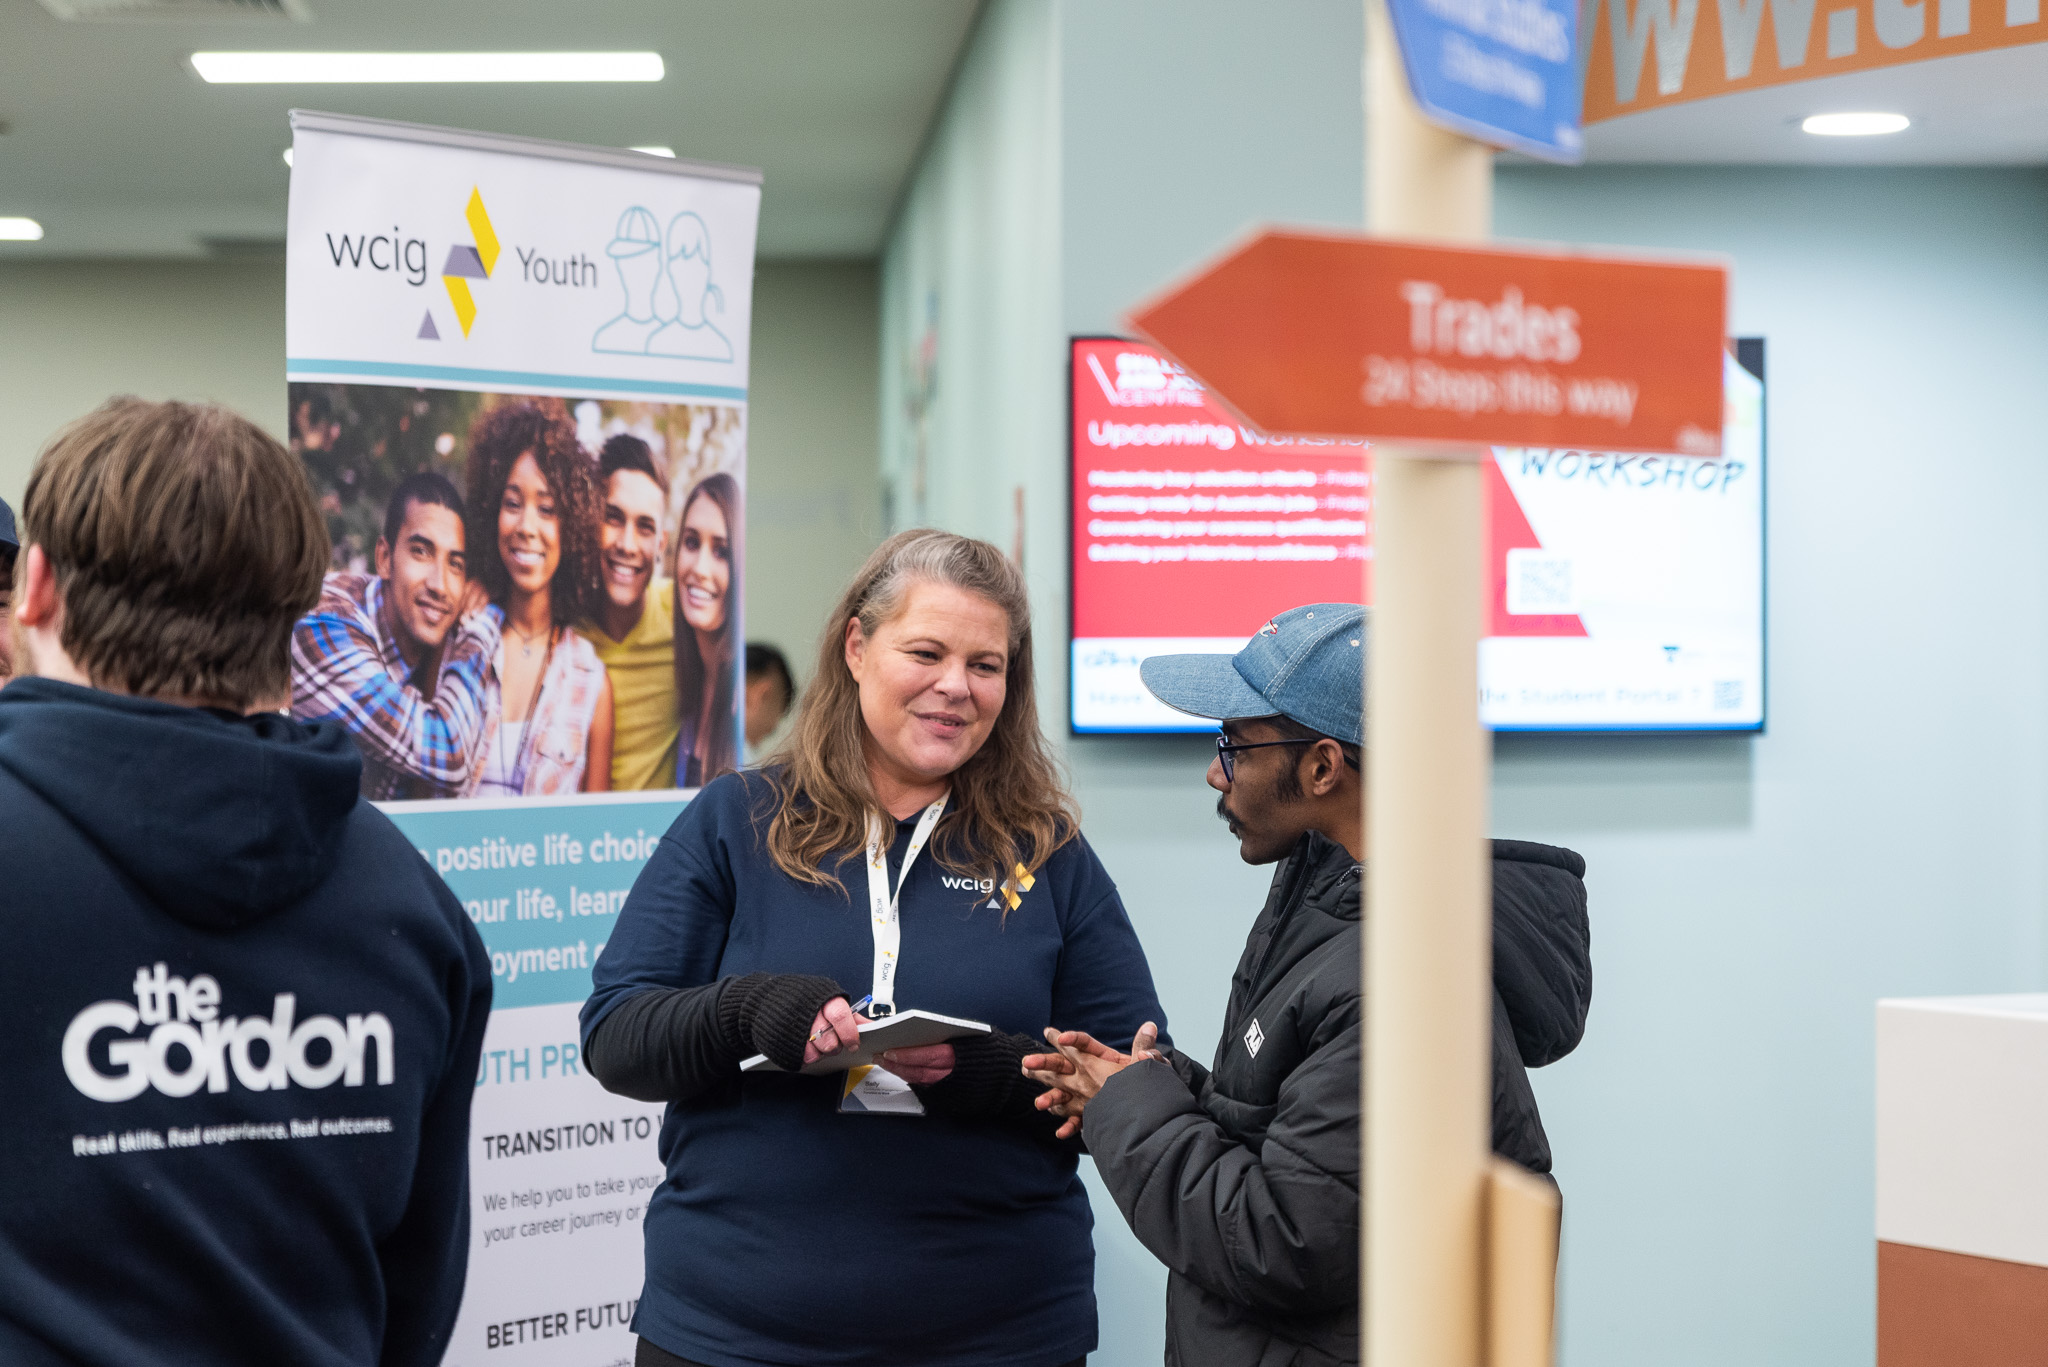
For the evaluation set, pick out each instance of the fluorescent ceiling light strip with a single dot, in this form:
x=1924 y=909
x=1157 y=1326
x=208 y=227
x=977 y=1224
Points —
x=396 y=68
x=1862 y=125
x=20 y=230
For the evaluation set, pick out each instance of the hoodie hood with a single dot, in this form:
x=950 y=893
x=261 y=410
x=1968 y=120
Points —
x=1542 y=947
x=1542 y=941
x=220 y=820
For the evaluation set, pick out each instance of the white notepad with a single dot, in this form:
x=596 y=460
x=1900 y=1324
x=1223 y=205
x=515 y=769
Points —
x=904 y=1030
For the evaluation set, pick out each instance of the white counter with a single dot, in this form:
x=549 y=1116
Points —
x=1962 y=1181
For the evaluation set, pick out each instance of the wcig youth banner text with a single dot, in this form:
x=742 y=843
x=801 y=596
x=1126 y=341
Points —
x=518 y=379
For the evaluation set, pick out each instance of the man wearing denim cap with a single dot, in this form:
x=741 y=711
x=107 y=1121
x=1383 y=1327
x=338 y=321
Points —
x=10 y=545
x=1243 y=1177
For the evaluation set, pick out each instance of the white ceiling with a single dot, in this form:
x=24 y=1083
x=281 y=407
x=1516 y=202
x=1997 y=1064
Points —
x=119 y=150
x=1983 y=109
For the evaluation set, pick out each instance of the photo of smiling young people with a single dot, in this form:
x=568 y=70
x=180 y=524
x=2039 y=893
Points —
x=531 y=597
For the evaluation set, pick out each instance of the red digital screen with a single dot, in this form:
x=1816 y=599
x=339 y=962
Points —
x=1626 y=590
x=1190 y=529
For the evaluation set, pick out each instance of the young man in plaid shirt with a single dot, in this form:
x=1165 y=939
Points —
x=395 y=659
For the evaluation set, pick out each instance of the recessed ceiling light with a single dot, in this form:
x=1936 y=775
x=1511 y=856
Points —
x=654 y=151
x=20 y=230
x=287 y=156
x=1854 y=125
x=384 y=68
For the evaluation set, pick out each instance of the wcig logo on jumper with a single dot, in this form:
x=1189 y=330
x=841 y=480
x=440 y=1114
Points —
x=1011 y=892
x=191 y=1045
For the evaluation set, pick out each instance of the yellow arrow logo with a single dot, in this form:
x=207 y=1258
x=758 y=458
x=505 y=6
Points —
x=466 y=262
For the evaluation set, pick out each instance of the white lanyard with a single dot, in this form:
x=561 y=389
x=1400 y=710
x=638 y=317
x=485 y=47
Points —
x=883 y=917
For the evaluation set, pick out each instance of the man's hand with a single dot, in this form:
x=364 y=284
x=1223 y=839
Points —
x=1073 y=1076
x=834 y=1028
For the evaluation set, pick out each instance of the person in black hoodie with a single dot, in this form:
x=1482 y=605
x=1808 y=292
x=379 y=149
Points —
x=1243 y=1177
x=244 y=1016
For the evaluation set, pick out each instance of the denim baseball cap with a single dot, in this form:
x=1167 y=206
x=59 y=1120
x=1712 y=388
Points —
x=1307 y=664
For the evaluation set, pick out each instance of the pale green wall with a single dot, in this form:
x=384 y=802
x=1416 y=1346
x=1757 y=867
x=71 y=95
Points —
x=71 y=334
x=1751 y=897
x=970 y=303
x=814 y=510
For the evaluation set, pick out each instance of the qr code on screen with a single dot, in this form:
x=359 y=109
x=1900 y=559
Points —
x=1540 y=583
x=1727 y=694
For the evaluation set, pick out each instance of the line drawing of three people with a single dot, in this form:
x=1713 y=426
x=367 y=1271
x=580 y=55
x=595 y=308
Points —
x=667 y=290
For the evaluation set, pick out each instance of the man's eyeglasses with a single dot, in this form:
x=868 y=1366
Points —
x=1226 y=751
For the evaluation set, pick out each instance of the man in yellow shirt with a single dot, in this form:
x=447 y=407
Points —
x=635 y=631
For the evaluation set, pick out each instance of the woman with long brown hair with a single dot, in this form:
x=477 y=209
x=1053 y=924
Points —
x=533 y=546
x=796 y=1225
x=707 y=630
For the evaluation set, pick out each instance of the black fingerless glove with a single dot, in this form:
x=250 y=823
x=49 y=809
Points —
x=987 y=1081
x=771 y=1013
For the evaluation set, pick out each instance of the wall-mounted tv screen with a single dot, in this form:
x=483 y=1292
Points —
x=1627 y=591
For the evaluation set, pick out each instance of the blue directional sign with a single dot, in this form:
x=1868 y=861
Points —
x=1502 y=71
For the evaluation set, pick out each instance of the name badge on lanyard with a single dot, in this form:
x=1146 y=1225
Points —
x=884 y=916
x=874 y=1090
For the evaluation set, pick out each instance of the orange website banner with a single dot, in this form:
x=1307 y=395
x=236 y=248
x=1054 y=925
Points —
x=1340 y=335
x=1646 y=54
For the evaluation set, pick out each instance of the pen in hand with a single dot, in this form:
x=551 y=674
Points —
x=863 y=1004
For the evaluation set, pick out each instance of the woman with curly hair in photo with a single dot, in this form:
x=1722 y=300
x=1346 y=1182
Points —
x=533 y=547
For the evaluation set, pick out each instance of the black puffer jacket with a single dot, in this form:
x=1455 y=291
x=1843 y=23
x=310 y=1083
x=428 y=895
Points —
x=1243 y=1177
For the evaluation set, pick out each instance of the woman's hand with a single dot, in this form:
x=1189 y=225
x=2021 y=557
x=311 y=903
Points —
x=835 y=1028
x=921 y=1066
x=1074 y=1076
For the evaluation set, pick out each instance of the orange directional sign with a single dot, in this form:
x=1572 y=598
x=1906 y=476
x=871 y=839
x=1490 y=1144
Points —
x=1330 y=335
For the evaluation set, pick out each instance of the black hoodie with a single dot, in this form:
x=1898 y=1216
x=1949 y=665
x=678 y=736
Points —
x=243 y=1019
x=1243 y=1177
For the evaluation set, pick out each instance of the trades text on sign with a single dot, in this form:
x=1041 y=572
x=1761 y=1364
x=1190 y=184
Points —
x=1502 y=71
x=1312 y=333
x=518 y=381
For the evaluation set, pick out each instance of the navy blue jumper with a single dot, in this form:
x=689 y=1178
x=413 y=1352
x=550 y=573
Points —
x=244 y=1019
x=790 y=1233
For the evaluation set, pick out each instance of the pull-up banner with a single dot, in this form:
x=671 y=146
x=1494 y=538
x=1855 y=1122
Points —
x=518 y=380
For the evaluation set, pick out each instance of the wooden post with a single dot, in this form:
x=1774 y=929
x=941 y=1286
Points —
x=1427 y=947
